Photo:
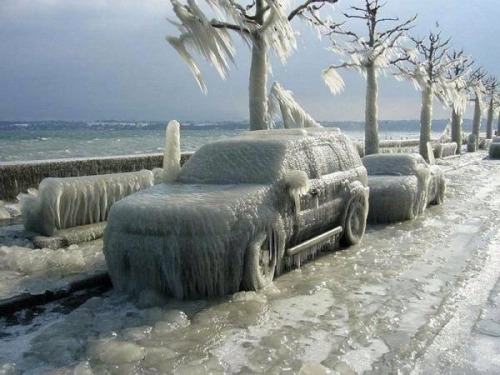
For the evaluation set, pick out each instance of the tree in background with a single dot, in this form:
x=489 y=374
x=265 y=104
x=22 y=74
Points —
x=461 y=76
x=478 y=77
x=262 y=24
x=427 y=70
x=491 y=88
x=369 y=56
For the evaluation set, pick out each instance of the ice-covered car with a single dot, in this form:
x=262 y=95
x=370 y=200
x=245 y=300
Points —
x=401 y=186
x=241 y=210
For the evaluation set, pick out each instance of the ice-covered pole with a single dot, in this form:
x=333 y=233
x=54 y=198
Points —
x=172 y=156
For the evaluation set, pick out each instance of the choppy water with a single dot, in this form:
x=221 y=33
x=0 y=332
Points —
x=38 y=144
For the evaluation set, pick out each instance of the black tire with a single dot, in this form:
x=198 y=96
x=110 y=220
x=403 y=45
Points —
x=260 y=264
x=354 y=223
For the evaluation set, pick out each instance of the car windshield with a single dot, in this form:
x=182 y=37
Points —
x=235 y=161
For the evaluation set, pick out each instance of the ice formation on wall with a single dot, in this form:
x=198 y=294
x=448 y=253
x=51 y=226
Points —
x=292 y=114
x=190 y=238
x=72 y=201
x=171 y=155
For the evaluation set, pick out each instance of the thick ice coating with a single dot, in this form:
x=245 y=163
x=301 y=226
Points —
x=231 y=210
x=494 y=149
x=443 y=150
x=72 y=201
x=401 y=186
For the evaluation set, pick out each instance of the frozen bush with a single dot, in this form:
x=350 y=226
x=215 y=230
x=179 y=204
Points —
x=443 y=150
x=471 y=143
x=494 y=150
x=72 y=201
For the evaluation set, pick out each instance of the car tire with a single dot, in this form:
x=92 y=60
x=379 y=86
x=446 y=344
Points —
x=354 y=223
x=260 y=264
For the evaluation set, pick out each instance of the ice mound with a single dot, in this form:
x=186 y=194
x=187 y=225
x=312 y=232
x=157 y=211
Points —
x=72 y=201
x=494 y=149
x=30 y=261
x=443 y=150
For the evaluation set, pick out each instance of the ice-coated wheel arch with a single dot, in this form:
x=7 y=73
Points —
x=260 y=263
x=354 y=224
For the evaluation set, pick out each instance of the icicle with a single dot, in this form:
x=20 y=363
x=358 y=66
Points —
x=333 y=80
x=172 y=156
x=298 y=184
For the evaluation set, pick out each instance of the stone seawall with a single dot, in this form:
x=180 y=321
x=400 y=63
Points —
x=18 y=177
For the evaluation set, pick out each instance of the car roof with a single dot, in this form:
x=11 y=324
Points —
x=264 y=156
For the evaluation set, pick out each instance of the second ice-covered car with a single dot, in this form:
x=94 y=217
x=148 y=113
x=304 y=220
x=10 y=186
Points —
x=241 y=210
x=401 y=186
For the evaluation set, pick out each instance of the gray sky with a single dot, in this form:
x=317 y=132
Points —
x=108 y=59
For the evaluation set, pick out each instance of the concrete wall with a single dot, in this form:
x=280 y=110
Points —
x=17 y=177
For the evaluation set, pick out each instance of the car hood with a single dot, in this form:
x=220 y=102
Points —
x=194 y=208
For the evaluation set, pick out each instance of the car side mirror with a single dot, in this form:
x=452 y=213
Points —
x=297 y=184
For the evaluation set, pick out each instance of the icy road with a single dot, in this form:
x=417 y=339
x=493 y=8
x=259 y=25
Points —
x=419 y=297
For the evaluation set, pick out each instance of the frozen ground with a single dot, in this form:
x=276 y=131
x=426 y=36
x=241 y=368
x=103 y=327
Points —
x=419 y=297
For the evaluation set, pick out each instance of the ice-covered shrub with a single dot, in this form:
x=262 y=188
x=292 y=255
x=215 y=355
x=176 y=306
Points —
x=72 y=201
x=494 y=150
x=484 y=144
x=443 y=150
x=471 y=143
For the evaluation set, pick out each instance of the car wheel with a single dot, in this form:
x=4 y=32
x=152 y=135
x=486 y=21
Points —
x=260 y=264
x=355 y=223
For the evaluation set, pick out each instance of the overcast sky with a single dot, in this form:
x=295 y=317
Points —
x=108 y=59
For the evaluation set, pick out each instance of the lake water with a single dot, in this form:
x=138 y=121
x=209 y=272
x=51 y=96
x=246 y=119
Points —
x=32 y=143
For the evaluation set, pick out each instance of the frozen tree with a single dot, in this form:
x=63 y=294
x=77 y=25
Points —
x=491 y=86
x=369 y=56
x=478 y=78
x=463 y=82
x=427 y=70
x=262 y=24
x=292 y=114
x=498 y=123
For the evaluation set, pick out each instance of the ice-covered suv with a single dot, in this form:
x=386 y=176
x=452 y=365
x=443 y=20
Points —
x=241 y=210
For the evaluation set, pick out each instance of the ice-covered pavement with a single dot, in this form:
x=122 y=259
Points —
x=418 y=297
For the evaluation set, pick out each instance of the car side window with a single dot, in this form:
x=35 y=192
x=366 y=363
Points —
x=327 y=159
x=301 y=159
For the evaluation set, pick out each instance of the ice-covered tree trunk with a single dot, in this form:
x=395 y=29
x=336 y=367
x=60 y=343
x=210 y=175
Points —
x=498 y=124
x=489 y=121
x=476 y=121
x=258 y=85
x=371 y=125
x=456 y=128
x=425 y=121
